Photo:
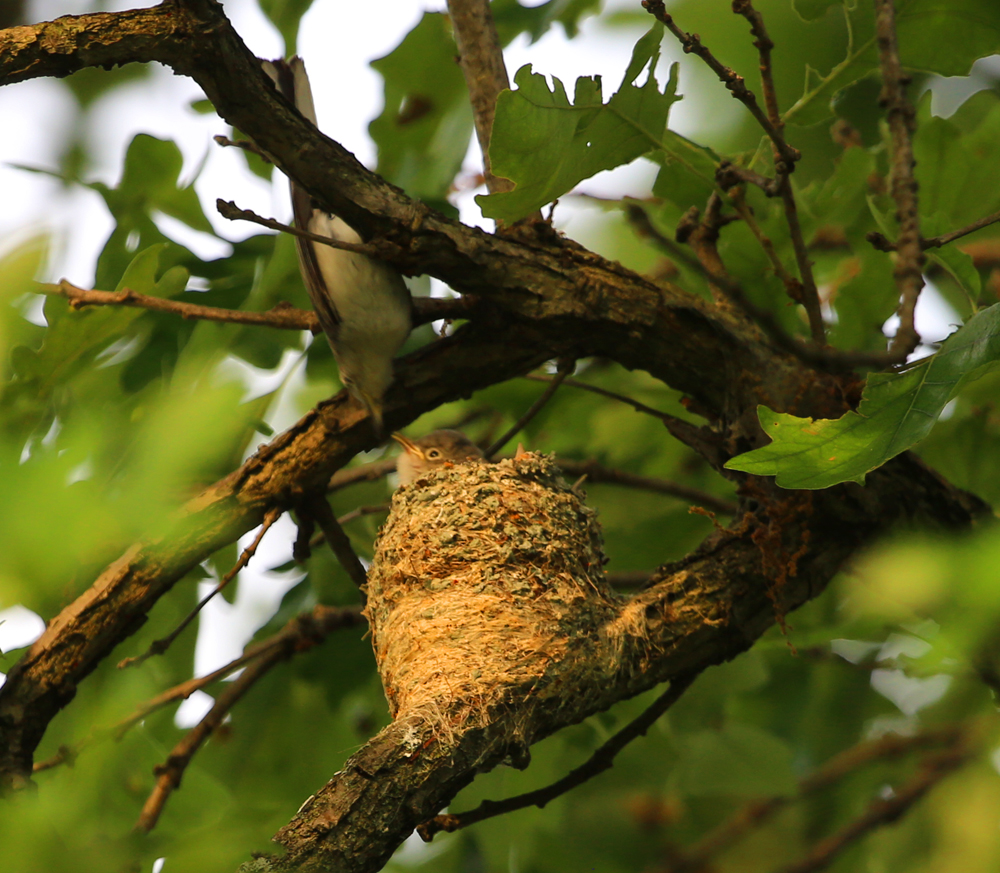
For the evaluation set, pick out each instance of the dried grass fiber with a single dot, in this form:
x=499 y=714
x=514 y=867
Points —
x=483 y=576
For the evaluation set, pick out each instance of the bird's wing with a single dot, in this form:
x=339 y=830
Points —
x=293 y=83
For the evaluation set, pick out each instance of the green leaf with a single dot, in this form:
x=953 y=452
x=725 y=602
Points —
x=960 y=267
x=687 y=171
x=935 y=36
x=810 y=10
x=957 y=163
x=424 y=130
x=740 y=760
x=512 y=18
x=285 y=15
x=150 y=180
x=546 y=145
x=897 y=410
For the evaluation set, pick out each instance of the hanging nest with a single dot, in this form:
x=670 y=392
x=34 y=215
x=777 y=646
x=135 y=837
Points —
x=485 y=578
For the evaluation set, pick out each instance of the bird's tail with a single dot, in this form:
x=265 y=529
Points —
x=292 y=82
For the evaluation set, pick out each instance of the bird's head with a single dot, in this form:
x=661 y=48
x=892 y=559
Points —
x=429 y=453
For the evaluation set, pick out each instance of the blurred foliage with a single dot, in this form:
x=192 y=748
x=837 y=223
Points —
x=111 y=418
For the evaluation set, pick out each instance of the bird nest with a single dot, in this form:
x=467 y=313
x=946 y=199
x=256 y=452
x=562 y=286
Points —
x=484 y=576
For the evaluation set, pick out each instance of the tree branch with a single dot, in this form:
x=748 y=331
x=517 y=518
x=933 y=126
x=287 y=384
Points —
x=319 y=509
x=595 y=472
x=701 y=610
x=547 y=299
x=734 y=83
x=903 y=184
x=158 y=647
x=282 y=316
x=880 y=242
x=881 y=812
x=333 y=618
x=602 y=759
x=481 y=58
x=566 y=367
x=302 y=632
x=683 y=431
x=757 y=812
x=809 y=296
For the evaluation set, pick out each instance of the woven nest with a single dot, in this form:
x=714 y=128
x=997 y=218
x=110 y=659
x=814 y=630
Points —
x=484 y=576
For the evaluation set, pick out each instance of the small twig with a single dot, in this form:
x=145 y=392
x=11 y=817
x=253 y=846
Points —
x=809 y=296
x=945 y=238
x=683 y=431
x=158 y=647
x=811 y=354
x=481 y=59
x=903 y=185
x=281 y=316
x=565 y=368
x=883 y=244
x=602 y=759
x=756 y=812
x=728 y=174
x=344 y=478
x=323 y=618
x=881 y=812
x=300 y=633
x=228 y=209
x=350 y=516
x=319 y=509
x=597 y=473
x=702 y=234
x=793 y=287
x=734 y=83
x=244 y=144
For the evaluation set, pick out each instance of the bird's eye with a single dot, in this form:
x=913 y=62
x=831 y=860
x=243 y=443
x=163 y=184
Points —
x=433 y=454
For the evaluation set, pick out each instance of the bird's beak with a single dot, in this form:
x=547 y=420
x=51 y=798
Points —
x=408 y=445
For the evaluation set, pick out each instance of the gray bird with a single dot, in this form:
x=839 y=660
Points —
x=430 y=453
x=362 y=303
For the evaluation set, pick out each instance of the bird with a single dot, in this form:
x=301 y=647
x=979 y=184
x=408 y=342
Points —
x=427 y=454
x=362 y=303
